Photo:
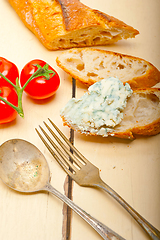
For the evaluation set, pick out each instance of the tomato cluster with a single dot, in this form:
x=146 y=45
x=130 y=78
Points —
x=39 y=87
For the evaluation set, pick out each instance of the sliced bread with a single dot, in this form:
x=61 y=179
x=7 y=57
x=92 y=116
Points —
x=117 y=113
x=89 y=65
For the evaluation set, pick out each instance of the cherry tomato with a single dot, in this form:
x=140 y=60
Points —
x=9 y=70
x=39 y=88
x=7 y=113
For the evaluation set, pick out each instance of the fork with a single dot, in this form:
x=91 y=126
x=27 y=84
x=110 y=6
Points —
x=84 y=173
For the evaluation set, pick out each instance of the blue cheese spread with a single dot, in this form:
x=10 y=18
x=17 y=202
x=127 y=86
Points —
x=100 y=109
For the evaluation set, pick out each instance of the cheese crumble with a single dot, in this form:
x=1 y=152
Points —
x=100 y=109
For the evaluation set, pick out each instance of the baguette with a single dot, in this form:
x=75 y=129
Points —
x=141 y=115
x=89 y=65
x=63 y=24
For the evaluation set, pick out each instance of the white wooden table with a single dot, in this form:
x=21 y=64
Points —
x=132 y=168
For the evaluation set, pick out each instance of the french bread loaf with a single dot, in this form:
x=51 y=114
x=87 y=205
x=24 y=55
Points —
x=89 y=65
x=141 y=114
x=62 y=24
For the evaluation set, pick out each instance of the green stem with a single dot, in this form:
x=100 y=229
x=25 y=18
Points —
x=37 y=73
x=7 y=80
x=10 y=104
x=20 y=108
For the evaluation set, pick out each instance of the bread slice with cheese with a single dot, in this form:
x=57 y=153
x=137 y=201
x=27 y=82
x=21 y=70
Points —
x=62 y=24
x=108 y=110
x=89 y=65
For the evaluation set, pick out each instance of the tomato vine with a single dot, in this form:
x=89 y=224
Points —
x=41 y=71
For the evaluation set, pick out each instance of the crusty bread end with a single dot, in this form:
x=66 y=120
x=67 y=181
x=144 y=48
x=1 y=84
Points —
x=63 y=24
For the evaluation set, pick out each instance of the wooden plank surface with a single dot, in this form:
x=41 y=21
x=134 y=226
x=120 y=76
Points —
x=132 y=168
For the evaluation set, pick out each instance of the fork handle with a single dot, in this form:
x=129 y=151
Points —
x=151 y=230
x=105 y=232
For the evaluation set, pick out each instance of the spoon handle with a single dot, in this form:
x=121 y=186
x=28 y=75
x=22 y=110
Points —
x=105 y=232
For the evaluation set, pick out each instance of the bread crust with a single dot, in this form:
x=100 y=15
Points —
x=76 y=15
x=54 y=21
x=147 y=80
x=131 y=132
x=147 y=130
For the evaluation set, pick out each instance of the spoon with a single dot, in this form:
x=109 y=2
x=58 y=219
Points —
x=24 y=168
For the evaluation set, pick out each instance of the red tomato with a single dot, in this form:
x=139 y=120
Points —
x=7 y=113
x=9 y=70
x=39 y=88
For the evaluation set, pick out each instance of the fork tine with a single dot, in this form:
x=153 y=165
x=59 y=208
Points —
x=68 y=142
x=67 y=167
x=73 y=157
x=64 y=158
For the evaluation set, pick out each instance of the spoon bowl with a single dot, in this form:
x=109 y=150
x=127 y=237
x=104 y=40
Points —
x=24 y=168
